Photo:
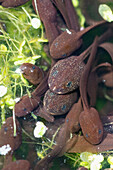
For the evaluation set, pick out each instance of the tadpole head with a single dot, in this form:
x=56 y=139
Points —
x=32 y=73
x=26 y=105
x=65 y=75
x=18 y=164
x=91 y=125
x=7 y=134
x=56 y=104
x=12 y=3
x=65 y=44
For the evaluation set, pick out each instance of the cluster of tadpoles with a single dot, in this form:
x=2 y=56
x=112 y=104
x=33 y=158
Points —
x=70 y=85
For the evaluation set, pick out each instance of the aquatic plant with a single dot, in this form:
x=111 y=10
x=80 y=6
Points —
x=20 y=42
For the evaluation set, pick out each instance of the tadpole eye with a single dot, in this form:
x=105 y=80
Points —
x=24 y=109
x=69 y=84
x=55 y=73
x=64 y=55
x=86 y=135
x=99 y=131
x=63 y=107
x=33 y=67
x=5 y=129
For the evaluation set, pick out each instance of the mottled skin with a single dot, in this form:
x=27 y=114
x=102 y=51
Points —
x=91 y=125
x=32 y=73
x=7 y=137
x=12 y=3
x=58 y=104
x=46 y=10
x=7 y=134
x=18 y=165
x=65 y=75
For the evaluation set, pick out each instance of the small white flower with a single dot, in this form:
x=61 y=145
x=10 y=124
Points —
x=86 y=157
x=35 y=22
x=92 y=161
x=98 y=158
x=40 y=129
x=5 y=149
x=95 y=165
x=3 y=90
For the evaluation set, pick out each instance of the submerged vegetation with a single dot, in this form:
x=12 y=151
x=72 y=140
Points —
x=21 y=41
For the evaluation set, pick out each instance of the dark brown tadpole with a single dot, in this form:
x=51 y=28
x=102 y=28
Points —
x=42 y=87
x=45 y=9
x=48 y=15
x=72 y=118
x=41 y=112
x=65 y=75
x=12 y=3
x=90 y=121
x=69 y=41
x=72 y=125
x=82 y=145
x=65 y=44
x=32 y=73
x=7 y=134
x=91 y=125
x=17 y=165
x=56 y=104
x=26 y=105
x=11 y=143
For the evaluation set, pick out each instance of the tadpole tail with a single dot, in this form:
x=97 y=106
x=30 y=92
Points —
x=85 y=74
